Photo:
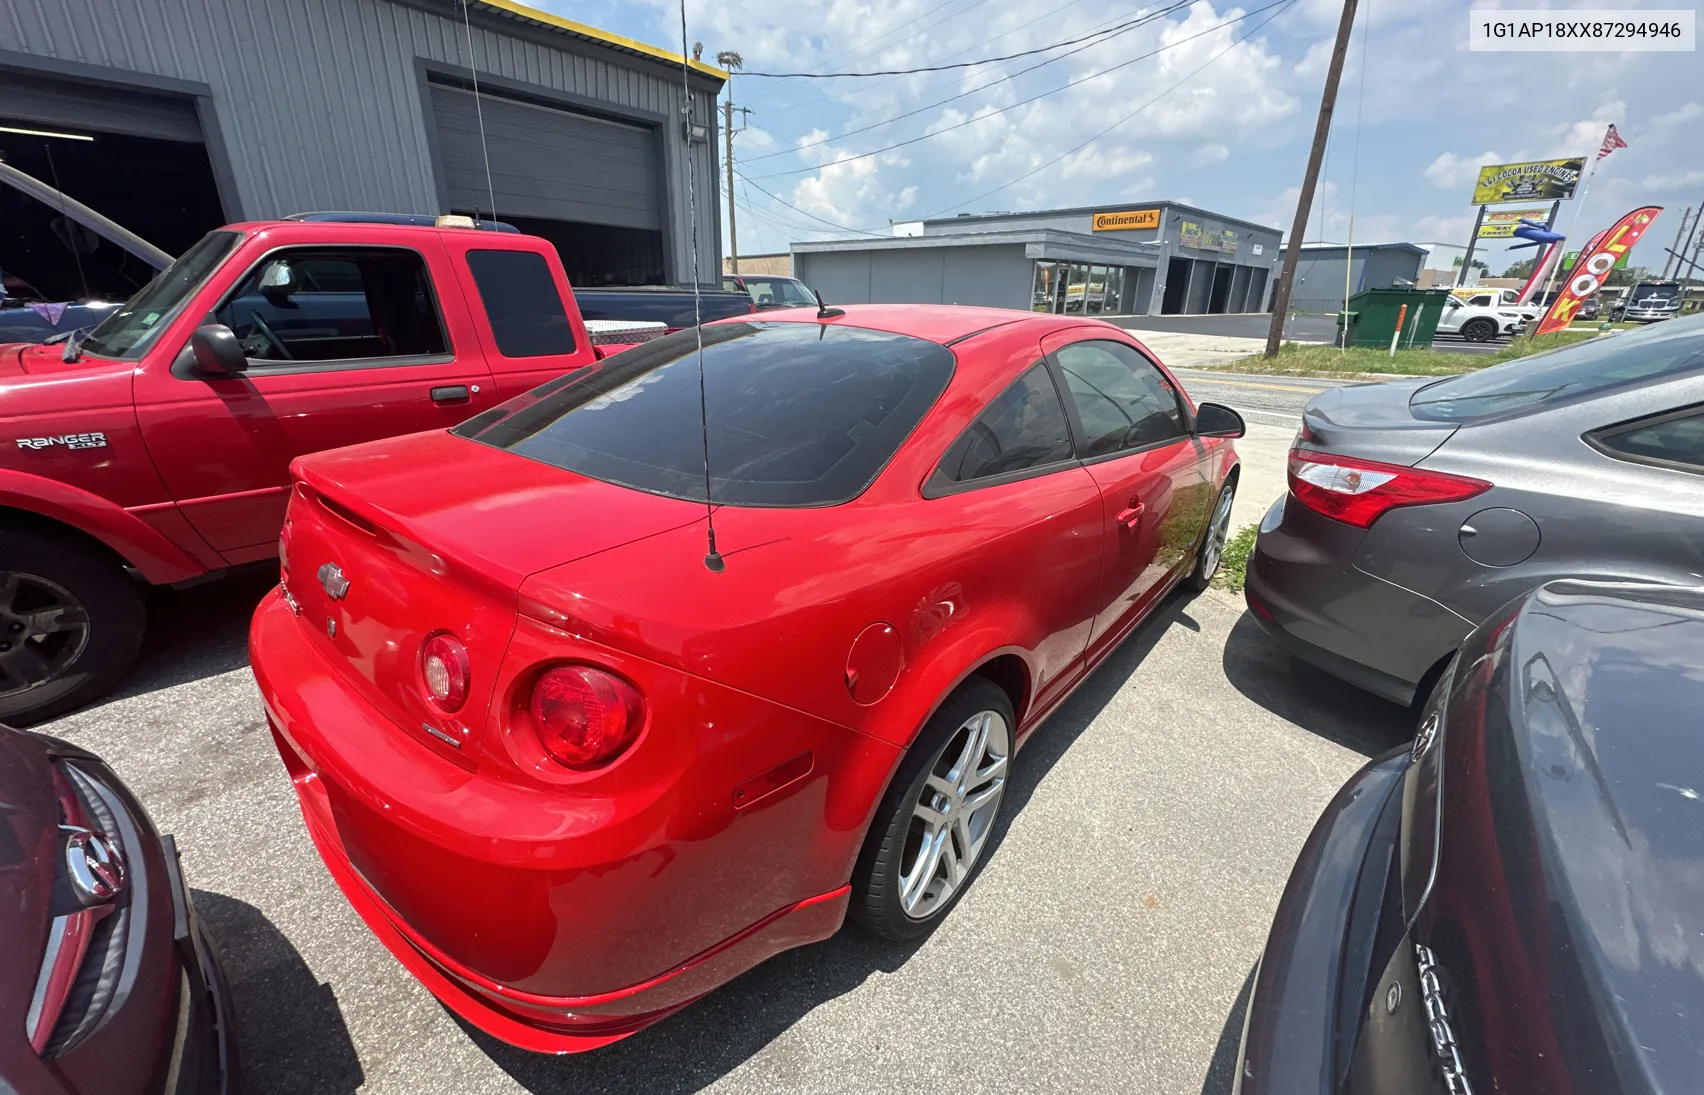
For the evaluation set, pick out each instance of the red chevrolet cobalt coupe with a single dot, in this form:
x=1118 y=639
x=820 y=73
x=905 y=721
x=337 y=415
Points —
x=576 y=763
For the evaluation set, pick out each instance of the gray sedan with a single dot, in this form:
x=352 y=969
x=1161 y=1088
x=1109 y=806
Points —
x=1419 y=507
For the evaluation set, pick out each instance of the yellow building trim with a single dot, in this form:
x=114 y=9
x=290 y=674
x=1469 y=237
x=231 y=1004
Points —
x=584 y=31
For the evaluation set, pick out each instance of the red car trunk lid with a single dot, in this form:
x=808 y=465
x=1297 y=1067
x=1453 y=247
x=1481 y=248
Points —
x=388 y=543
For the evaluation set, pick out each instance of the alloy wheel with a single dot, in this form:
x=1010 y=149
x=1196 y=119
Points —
x=954 y=814
x=1217 y=532
x=43 y=630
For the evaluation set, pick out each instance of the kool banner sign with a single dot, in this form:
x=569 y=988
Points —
x=1596 y=261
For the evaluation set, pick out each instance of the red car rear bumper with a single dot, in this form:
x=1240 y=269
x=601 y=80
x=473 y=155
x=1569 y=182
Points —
x=324 y=732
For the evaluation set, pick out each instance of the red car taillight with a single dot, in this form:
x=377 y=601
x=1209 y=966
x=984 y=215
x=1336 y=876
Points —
x=444 y=670
x=584 y=717
x=1358 y=492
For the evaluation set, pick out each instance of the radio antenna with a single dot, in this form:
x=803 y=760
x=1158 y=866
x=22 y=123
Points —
x=713 y=560
x=479 y=112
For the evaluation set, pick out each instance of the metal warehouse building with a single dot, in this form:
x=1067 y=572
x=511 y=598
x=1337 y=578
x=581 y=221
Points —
x=1144 y=258
x=174 y=118
x=1321 y=277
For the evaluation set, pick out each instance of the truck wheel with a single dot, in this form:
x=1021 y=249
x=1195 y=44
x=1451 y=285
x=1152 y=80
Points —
x=71 y=622
x=1479 y=330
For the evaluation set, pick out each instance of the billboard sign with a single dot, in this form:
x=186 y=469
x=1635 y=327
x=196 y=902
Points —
x=1501 y=223
x=1539 y=180
x=1127 y=220
x=1194 y=235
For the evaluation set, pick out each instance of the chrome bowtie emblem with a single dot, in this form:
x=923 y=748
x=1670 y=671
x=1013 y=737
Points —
x=96 y=871
x=331 y=577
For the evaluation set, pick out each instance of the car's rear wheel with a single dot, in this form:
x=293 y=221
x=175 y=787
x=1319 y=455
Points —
x=1479 y=330
x=933 y=825
x=1212 y=549
x=71 y=622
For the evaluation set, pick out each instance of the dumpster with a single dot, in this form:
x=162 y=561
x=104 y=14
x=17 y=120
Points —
x=1373 y=316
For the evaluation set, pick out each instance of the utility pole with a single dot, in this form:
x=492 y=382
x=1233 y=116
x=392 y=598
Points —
x=730 y=60
x=1304 y=203
x=1680 y=239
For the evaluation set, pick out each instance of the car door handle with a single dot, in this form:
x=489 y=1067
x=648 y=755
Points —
x=450 y=393
x=1131 y=516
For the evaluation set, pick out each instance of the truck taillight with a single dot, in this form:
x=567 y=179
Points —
x=444 y=670
x=584 y=717
x=1359 y=492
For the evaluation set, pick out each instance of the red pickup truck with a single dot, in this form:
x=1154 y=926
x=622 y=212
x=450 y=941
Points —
x=156 y=445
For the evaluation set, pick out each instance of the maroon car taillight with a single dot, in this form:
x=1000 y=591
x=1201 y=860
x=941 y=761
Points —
x=1358 y=492
x=584 y=717
x=444 y=670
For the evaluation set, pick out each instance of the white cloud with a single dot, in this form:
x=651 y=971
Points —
x=1685 y=113
x=1209 y=154
x=1427 y=105
x=1674 y=181
x=1452 y=172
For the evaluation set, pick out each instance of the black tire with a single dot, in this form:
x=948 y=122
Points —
x=46 y=580
x=1210 y=552
x=1479 y=330
x=892 y=839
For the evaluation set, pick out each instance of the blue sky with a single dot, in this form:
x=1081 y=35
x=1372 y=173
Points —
x=1219 y=115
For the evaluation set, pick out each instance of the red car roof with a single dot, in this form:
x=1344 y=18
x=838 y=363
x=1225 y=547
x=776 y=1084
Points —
x=936 y=322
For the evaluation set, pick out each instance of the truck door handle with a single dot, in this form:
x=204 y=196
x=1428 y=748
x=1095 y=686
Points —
x=450 y=393
x=1131 y=516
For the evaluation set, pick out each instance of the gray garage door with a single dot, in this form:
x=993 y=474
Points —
x=546 y=163
x=66 y=105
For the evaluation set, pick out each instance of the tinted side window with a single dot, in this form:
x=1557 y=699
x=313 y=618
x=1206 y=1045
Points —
x=1678 y=440
x=333 y=304
x=1121 y=398
x=522 y=303
x=1024 y=427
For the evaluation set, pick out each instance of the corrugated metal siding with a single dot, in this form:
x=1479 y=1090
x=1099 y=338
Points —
x=318 y=101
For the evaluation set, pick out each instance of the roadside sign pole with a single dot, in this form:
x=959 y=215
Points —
x=1472 y=241
x=1304 y=201
x=1401 y=318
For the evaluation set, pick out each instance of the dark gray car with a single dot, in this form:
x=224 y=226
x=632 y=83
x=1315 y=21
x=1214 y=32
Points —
x=1418 y=507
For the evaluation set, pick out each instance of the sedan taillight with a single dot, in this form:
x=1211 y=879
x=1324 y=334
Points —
x=584 y=717
x=444 y=670
x=1359 y=492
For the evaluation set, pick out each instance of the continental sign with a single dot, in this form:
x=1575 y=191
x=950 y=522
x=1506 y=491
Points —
x=1501 y=223
x=1540 y=180
x=1126 y=221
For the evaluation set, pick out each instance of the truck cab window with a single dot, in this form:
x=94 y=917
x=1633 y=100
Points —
x=336 y=304
x=522 y=303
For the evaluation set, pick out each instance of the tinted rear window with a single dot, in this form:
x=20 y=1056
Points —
x=799 y=414
x=522 y=303
x=1596 y=365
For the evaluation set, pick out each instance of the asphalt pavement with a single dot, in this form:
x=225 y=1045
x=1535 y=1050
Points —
x=1107 y=945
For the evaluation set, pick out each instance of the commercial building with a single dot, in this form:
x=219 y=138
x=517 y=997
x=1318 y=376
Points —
x=1321 y=278
x=174 y=118
x=1141 y=258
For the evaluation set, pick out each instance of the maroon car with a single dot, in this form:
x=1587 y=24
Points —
x=107 y=983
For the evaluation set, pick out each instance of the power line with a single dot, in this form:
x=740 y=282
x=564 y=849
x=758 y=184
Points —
x=943 y=68
x=788 y=107
x=804 y=212
x=894 y=30
x=1150 y=17
x=1281 y=6
x=1022 y=102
